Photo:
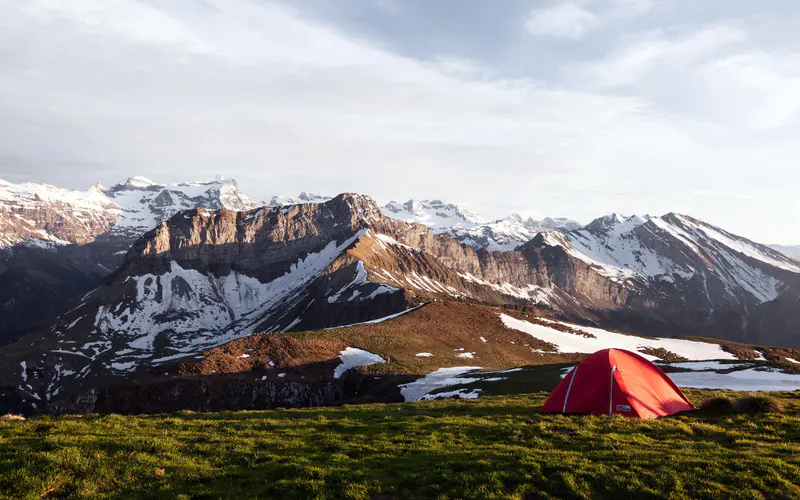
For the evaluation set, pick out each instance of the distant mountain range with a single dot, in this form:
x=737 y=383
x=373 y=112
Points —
x=471 y=229
x=792 y=251
x=107 y=286
x=57 y=243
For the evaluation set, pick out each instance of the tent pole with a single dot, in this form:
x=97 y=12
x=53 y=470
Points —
x=611 y=392
x=569 y=388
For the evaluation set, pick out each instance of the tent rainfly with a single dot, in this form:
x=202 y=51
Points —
x=616 y=381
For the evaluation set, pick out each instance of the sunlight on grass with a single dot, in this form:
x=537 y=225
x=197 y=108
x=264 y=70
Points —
x=498 y=447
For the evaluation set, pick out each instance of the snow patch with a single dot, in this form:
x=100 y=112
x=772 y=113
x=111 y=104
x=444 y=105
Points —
x=460 y=393
x=124 y=367
x=353 y=357
x=742 y=380
x=706 y=366
x=571 y=343
x=442 y=377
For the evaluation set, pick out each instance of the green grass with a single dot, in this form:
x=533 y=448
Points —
x=497 y=447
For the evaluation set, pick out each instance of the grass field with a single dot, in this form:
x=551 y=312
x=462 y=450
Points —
x=495 y=447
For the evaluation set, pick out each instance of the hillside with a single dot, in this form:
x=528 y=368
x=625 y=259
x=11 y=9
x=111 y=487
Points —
x=498 y=447
x=441 y=345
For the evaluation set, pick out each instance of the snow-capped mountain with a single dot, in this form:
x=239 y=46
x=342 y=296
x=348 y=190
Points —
x=436 y=214
x=56 y=243
x=44 y=213
x=34 y=213
x=684 y=269
x=471 y=229
x=674 y=247
x=303 y=197
x=143 y=203
x=507 y=234
x=791 y=251
x=205 y=277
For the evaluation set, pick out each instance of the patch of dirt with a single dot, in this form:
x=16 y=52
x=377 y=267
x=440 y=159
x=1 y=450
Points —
x=263 y=352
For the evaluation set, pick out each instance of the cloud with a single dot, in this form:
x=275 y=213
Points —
x=563 y=20
x=572 y=20
x=754 y=88
x=637 y=55
x=97 y=90
x=259 y=92
x=707 y=72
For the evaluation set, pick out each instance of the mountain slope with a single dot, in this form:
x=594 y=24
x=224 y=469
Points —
x=56 y=216
x=58 y=243
x=690 y=273
x=380 y=360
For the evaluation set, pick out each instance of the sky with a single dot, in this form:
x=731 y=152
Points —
x=573 y=108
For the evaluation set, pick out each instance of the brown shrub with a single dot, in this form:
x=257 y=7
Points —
x=717 y=405
x=758 y=404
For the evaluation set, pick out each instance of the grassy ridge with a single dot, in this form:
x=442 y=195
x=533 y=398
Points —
x=497 y=447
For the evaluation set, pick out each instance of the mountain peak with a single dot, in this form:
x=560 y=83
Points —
x=98 y=188
x=304 y=197
x=617 y=219
x=436 y=214
x=515 y=217
x=139 y=181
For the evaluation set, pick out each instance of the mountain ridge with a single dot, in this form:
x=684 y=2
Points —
x=791 y=251
x=205 y=277
x=57 y=243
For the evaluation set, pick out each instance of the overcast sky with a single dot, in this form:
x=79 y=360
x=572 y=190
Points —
x=548 y=108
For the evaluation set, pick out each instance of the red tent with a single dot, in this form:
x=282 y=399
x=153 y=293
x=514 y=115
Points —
x=617 y=381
